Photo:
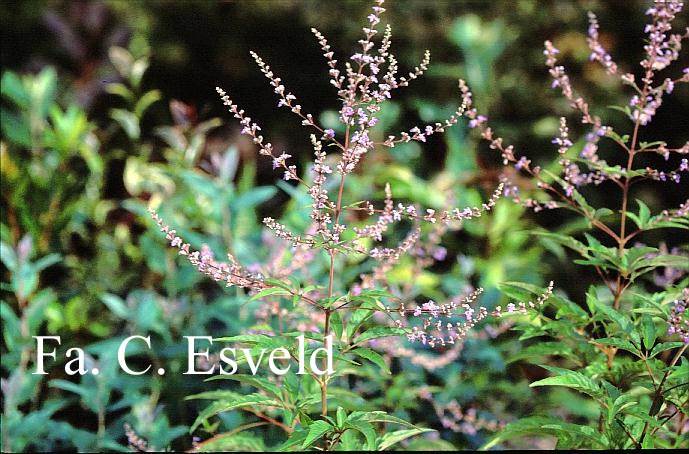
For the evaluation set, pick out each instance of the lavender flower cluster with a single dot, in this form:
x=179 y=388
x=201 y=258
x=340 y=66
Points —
x=679 y=318
x=365 y=81
x=453 y=417
x=446 y=324
x=661 y=50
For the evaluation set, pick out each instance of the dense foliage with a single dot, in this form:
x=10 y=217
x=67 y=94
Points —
x=445 y=332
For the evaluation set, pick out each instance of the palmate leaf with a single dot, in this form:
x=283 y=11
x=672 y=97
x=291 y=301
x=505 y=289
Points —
x=571 y=379
x=251 y=400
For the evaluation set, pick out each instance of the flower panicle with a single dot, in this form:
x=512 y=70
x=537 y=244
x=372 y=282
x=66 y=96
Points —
x=598 y=52
x=449 y=323
x=678 y=323
x=229 y=272
x=136 y=442
x=588 y=168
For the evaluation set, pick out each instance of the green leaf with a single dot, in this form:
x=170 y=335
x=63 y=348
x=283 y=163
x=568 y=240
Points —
x=620 y=319
x=128 y=121
x=586 y=432
x=268 y=292
x=367 y=429
x=392 y=438
x=8 y=257
x=251 y=400
x=12 y=87
x=252 y=380
x=254 y=197
x=336 y=324
x=218 y=394
x=619 y=343
x=121 y=59
x=357 y=319
x=316 y=431
x=644 y=214
x=541 y=349
x=378 y=332
x=649 y=332
x=25 y=281
x=603 y=213
x=532 y=425
x=664 y=347
x=624 y=109
x=145 y=102
x=277 y=283
x=296 y=438
x=380 y=416
x=116 y=305
x=120 y=90
x=571 y=379
x=242 y=442
x=565 y=240
x=622 y=402
x=372 y=356
x=341 y=417
x=520 y=290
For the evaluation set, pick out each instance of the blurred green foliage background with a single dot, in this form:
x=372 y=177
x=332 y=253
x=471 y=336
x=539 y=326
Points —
x=108 y=106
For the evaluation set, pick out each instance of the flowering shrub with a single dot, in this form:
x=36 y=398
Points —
x=345 y=313
x=613 y=348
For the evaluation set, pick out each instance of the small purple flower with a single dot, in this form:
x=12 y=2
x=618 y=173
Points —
x=329 y=133
x=477 y=121
x=669 y=86
x=440 y=254
x=523 y=162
